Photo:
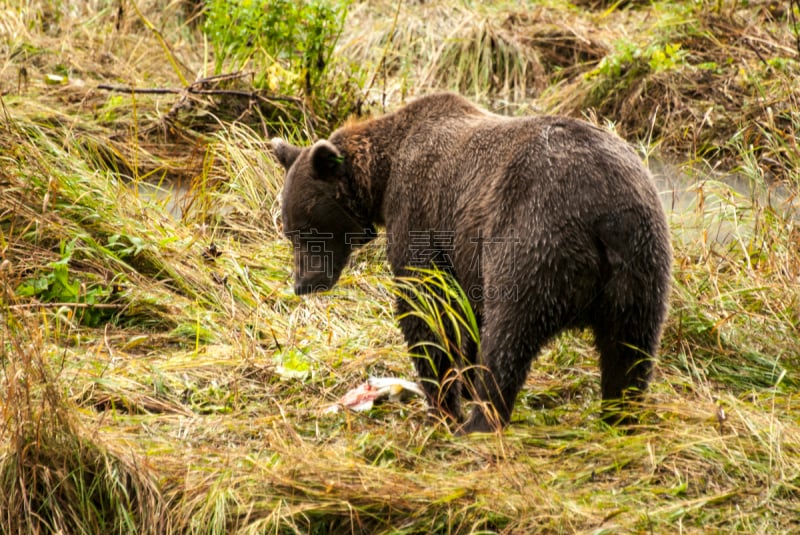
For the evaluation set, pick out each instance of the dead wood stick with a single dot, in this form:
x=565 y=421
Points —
x=129 y=89
x=59 y=305
x=193 y=89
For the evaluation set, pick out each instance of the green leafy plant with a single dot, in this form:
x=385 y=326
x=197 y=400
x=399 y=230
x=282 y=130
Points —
x=281 y=39
x=630 y=60
x=54 y=285
x=57 y=286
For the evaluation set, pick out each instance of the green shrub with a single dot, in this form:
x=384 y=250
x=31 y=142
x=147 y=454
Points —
x=284 y=41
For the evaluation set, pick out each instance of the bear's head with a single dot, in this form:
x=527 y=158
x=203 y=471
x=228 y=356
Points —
x=320 y=213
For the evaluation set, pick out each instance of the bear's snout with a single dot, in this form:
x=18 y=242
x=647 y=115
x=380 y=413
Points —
x=314 y=282
x=303 y=288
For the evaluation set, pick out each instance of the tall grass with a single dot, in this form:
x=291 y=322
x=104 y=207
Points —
x=55 y=476
x=158 y=375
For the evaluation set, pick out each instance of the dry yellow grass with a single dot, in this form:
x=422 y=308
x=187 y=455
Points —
x=157 y=374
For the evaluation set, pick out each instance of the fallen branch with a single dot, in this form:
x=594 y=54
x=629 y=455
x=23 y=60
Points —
x=59 y=305
x=143 y=91
x=200 y=88
x=192 y=89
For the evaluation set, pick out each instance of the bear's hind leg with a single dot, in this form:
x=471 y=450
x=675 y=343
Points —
x=627 y=347
x=631 y=306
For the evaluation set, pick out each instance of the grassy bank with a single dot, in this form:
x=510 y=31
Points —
x=158 y=375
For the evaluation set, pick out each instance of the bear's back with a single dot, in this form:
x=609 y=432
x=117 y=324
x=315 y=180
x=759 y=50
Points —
x=479 y=154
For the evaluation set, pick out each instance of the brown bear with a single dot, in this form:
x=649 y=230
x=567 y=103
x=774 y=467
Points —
x=547 y=223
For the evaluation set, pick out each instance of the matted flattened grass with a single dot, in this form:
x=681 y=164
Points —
x=157 y=374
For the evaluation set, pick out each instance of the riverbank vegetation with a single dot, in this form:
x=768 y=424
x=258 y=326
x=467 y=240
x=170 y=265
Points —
x=157 y=374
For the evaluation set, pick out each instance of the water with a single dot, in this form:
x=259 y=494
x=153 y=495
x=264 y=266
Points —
x=719 y=208
x=174 y=196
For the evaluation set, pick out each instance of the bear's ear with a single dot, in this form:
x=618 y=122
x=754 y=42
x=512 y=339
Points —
x=285 y=152
x=326 y=159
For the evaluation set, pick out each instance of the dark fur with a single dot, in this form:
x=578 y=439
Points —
x=551 y=223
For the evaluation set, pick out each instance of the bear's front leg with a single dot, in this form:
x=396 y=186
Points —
x=435 y=367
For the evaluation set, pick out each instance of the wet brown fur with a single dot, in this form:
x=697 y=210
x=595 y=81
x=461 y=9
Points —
x=554 y=223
